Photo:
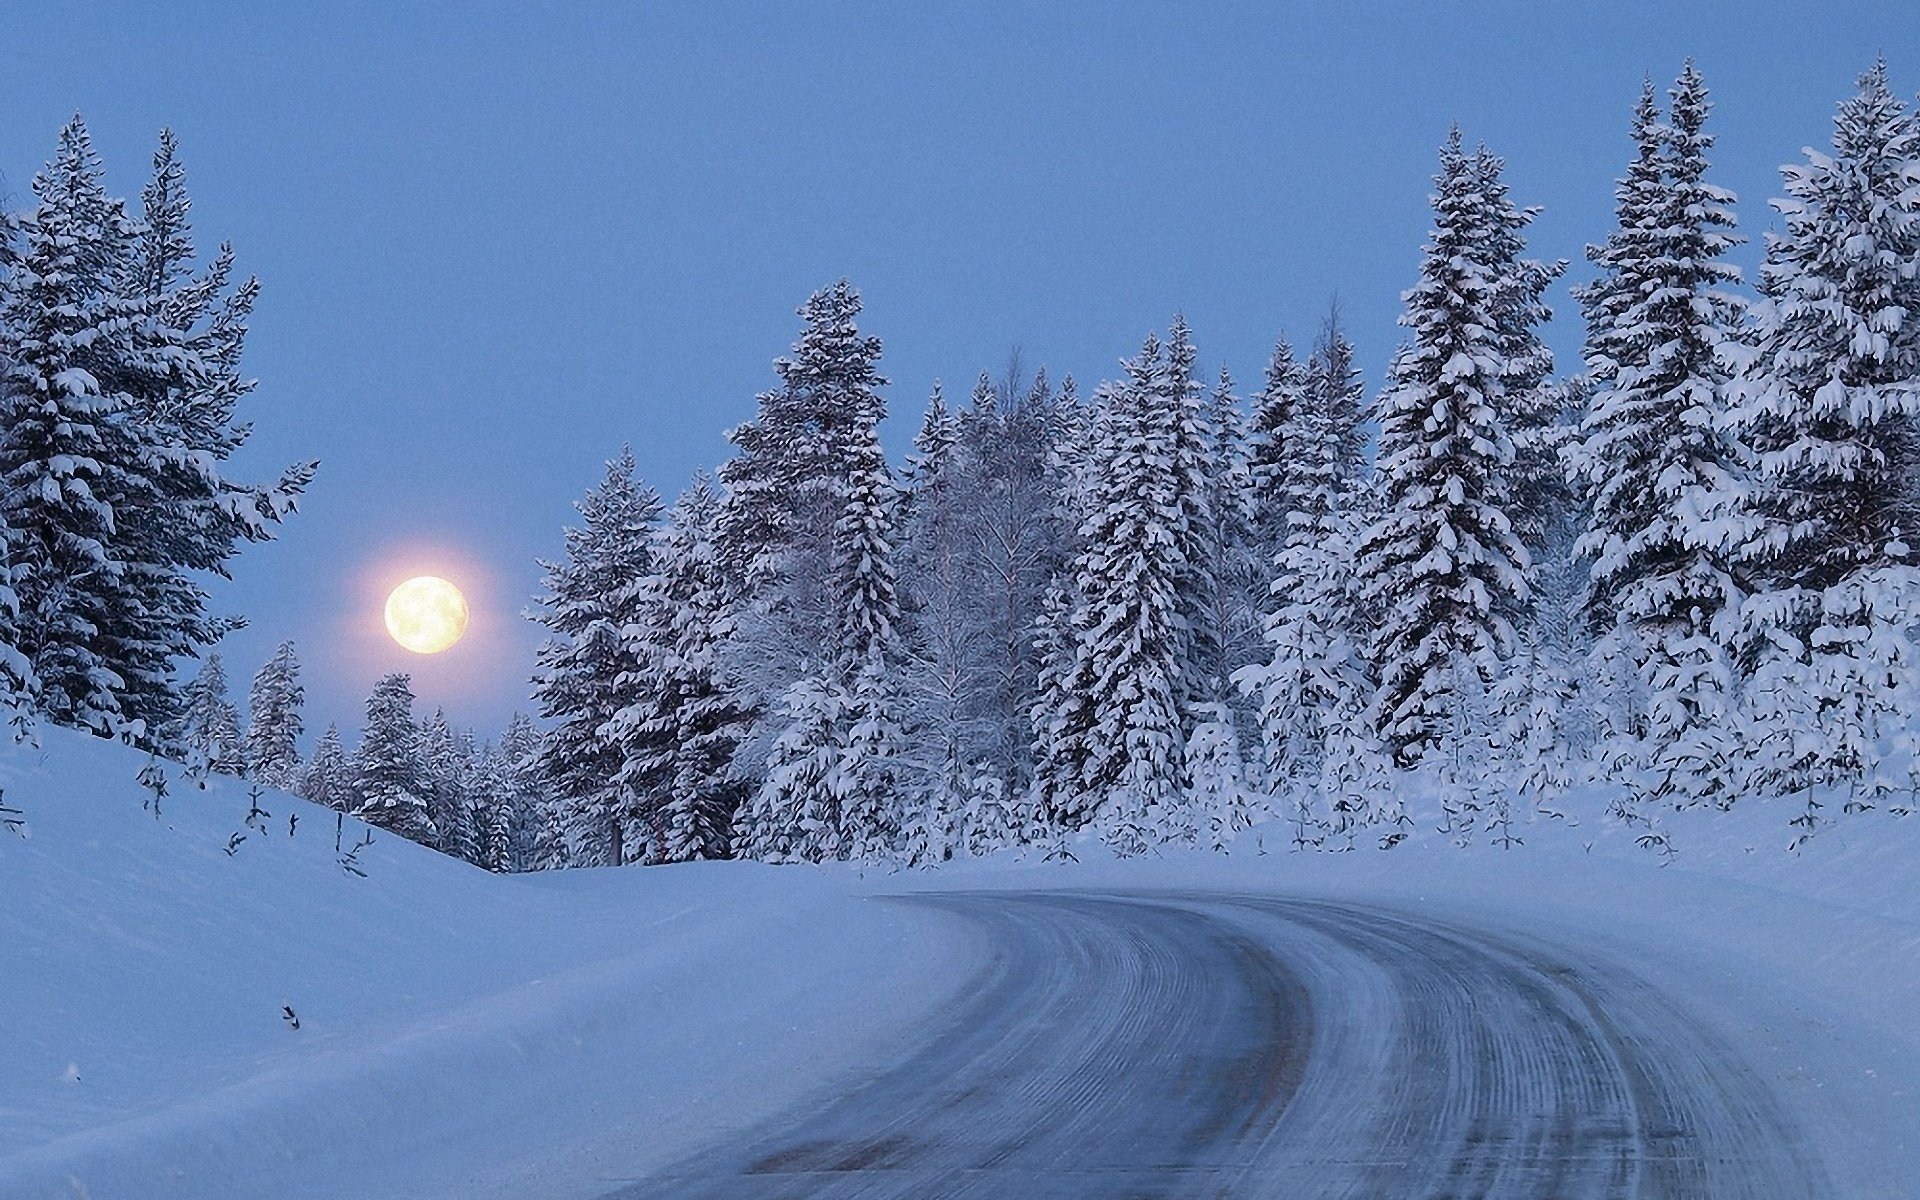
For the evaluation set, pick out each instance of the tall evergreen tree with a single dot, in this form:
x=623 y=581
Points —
x=60 y=434
x=1830 y=404
x=274 y=723
x=587 y=669
x=1531 y=405
x=1278 y=410
x=1125 y=684
x=1830 y=412
x=1309 y=686
x=444 y=773
x=1443 y=553
x=1652 y=450
x=684 y=733
x=118 y=413
x=1653 y=457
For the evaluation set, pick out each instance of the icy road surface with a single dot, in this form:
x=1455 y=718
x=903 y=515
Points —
x=1171 y=1045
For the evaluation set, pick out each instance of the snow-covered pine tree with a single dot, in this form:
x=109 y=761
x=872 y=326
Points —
x=701 y=723
x=1242 y=574
x=1829 y=410
x=786 y=492
x=1278 y=409
x=1652 y=457
x=207 y=728
x=1442 y=553
x=1128 y=626
x=1532 y=406
x=1201 y=472
x=274 y=723
x=115 y=416
x=328 y=776
x=586 y=669
x=444 y=775
x=1829 y=406
x=388 y=790
x=491 y=816
x=1313 y=673
x=868 y=653
x=794 y=815
x=539 y=838
x=176 y=515
x=60 y=434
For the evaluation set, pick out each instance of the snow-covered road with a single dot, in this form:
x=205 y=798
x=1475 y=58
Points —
x=1164 y=1044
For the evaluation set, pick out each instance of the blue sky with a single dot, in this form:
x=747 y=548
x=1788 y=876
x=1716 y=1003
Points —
x=497 y=241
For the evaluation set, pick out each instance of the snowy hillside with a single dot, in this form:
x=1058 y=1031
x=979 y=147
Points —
x=455 y=1027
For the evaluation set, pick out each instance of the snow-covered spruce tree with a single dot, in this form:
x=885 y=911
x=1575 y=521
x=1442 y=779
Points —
x=1313 y=679
x=684 y=731
x=838 y=596
x=61 y=432
x=274 y=724
x=1128 y=628
x=1531 y=405
x=1200 y=461
x=1828 y=410
x=327 y=777
x=1829 y=404
x=1442 y=554
x=176 y=515
x=118 y=404
x=785 y=494
x=868 y=652
x=386 y=769
x=492 y=812
x=207 y=728
x=1242 y=574
x=444 y=772
x=1278 y=409
x=539 y=838
x=1653 y=458
x=592 y=595
x=794 y=815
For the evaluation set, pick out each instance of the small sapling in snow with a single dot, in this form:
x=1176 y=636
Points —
x=350 y=861
x=256 y=816
x=153 y=777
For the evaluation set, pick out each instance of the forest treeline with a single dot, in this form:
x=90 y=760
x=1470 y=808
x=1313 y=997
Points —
x=1171 y=605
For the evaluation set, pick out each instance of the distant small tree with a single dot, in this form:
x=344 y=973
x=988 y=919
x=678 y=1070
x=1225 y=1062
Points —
x=274 y=724
x=208 y=727
x=387 y=782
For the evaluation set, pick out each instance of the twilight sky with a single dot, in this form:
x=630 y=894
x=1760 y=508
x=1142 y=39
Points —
x=497 y=240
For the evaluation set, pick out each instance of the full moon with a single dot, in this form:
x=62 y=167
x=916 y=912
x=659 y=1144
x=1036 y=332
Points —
x=426 y=614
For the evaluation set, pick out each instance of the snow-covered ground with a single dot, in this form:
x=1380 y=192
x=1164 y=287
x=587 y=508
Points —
x=556 y=1035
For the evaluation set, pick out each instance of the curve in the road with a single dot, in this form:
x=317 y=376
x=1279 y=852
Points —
x=1223 y=1046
